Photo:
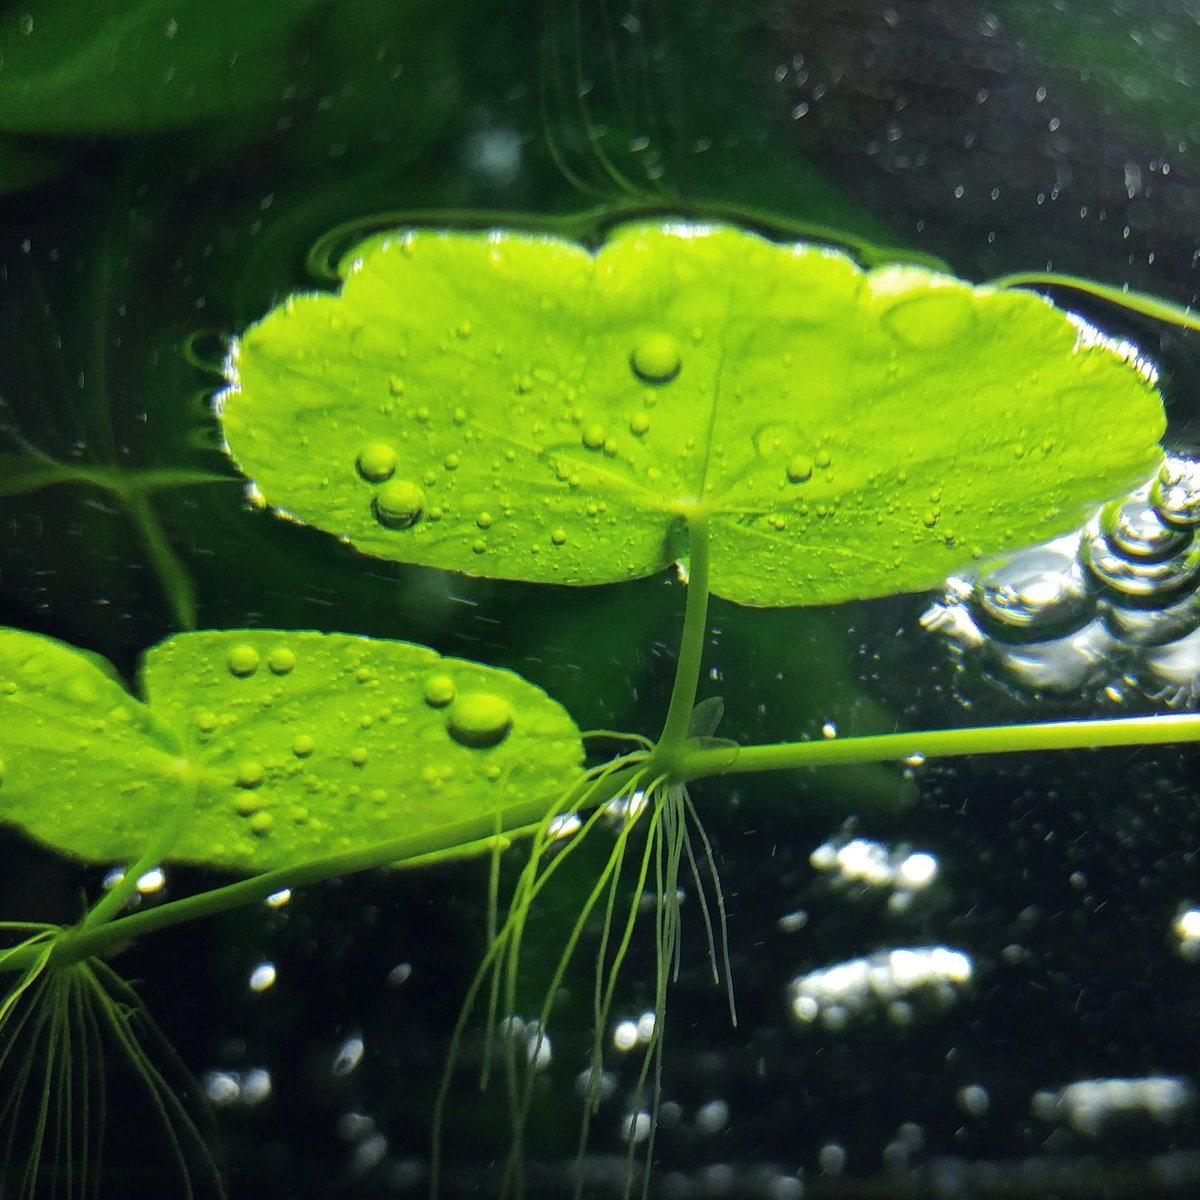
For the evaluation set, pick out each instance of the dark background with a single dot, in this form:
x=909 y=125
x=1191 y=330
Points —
x=165 y=169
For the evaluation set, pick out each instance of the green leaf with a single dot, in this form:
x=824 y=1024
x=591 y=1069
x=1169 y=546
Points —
x=514 y=406
x=288 y=746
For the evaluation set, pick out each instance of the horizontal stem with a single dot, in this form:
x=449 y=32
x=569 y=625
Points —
x=446 y=842
x=944 y=743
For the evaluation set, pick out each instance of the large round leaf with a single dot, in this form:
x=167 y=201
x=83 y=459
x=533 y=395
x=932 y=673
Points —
x=514 y=406
x=297 y=746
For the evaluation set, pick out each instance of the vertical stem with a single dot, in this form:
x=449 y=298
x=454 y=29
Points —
x=691 y=644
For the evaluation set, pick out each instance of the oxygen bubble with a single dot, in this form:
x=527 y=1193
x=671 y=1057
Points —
x=246 y=806
x=479 y=720
x=303 y=745
x=1135 y=530
x=558 y=536
x=242 y=661
x=1038 y=593
x=484 y=520
x=376 y=462
x=655 y=358
x=250 y=774
x=1137 y=577
x=399 y=504
x=439 y=691
x=2 y=769
x=823 y=459
x=281 y=661
x=479 y=546
x=1175 y=492
x=799 y=468
x=260 y=823
x=206 y=722
x=639 y=423
x=358 y=756
x=593 y=437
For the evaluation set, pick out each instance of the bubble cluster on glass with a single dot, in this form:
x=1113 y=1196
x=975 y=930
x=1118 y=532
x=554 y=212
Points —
x=1113 y=606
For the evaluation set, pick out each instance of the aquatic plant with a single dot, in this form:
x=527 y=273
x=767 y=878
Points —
x=784 y=426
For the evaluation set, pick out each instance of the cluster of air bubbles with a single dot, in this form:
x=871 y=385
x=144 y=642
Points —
x=859 y=865
x=530 y=1040
x=1113 y=606
x=893 y=984
x=149 y=882
x=1092 y=1106
x=227 y=1088
x=632 y=1032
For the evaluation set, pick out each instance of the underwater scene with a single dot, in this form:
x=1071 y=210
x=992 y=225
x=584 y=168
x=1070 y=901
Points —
x=599 y=598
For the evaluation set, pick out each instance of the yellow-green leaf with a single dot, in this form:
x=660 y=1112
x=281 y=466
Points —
x=518 y=407
x=286 y=747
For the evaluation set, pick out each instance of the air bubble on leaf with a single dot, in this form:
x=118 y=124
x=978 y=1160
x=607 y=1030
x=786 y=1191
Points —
x=439 y=691
x=799 y=468
x=242 y=660
x=250 y=774
x=639 y=423
x=398 y=504
x=918 y=312
x=303 y=745
x=593 y=437
x=281 y=661
x=260 y=823
x=376 y=462
x=358 y=756
x=656 y=358
x=479 y=720
x=484 y=520
x=558 y=536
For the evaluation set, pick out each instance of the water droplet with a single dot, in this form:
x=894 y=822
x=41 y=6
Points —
x=656 y=358
x=593 y=437
x=439 y=691
x=799 y=468
x=303 y=745
x=376 y=462
x=398 y=504
x=479 y=720
x=281 y=661
x=250 y=774
x=639 y=423
x=242 y=660
x=358 y=756
x=558 y=536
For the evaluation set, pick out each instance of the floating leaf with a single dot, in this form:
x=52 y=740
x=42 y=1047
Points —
x=517 y=407
x=300 y=745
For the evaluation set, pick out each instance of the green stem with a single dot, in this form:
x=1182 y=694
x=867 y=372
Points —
x=691 y=646
x=453 y=841
x=941 y=743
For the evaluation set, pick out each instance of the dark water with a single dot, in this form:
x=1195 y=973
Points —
x=167 y=199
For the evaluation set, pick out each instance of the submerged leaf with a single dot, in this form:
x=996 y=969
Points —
x=516 y=407
x=286 y=746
